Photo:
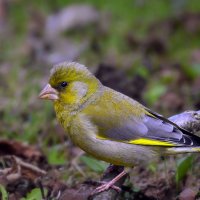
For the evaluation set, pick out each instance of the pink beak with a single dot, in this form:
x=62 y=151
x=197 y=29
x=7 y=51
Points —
x=48 y=93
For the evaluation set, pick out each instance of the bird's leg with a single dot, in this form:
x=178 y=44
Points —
x=110 y=184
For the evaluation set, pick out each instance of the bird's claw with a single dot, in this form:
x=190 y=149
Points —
x=105 y=186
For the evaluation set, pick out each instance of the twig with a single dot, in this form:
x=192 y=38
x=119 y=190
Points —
x=29 y=166
x=18 y=166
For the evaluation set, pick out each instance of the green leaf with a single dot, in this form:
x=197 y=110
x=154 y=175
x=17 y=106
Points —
x=93 y=164
x=183 y=165
x=154 y=92
x=4 y=194
x=142 y=71
x=35 y=194
x=56 y=156
x=192 y=71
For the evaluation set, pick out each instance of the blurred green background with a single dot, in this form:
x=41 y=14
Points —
x=149 y=50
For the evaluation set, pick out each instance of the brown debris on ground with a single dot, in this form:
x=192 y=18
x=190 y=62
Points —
x=19 y=149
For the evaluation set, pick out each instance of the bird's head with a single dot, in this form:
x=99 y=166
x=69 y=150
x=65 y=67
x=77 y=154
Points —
x=70 y=83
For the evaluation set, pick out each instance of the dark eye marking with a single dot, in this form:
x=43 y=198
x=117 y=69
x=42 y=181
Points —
x=63 y=84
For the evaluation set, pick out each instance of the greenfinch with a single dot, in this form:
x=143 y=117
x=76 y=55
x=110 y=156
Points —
x=108 y=125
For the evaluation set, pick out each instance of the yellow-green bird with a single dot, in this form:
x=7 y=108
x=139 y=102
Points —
x=109 y=125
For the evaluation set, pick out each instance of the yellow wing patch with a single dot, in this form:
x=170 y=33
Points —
x=143 y=141
x=150 y=142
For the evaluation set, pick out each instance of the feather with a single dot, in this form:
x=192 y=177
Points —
x=148 y=128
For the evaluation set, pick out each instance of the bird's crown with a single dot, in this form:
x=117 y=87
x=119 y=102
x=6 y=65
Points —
x=68 y=71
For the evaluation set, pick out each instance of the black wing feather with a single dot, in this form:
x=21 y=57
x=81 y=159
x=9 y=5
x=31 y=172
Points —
x=188 y=139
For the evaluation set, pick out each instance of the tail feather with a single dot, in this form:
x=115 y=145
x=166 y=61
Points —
x=188 y=139
x=194 y=139
x=176 y=150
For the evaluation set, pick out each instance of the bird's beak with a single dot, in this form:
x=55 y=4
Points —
x=48 y=93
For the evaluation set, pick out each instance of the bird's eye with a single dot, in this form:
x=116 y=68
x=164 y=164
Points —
x=63 y=84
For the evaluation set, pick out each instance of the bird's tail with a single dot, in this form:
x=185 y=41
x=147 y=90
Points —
x=192 y=144
x=179 y=150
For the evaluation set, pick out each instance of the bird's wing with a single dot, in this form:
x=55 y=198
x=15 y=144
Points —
x=151 y=129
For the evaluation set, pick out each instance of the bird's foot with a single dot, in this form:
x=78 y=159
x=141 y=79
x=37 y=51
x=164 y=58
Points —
x=105 y=186
x=111 y=184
